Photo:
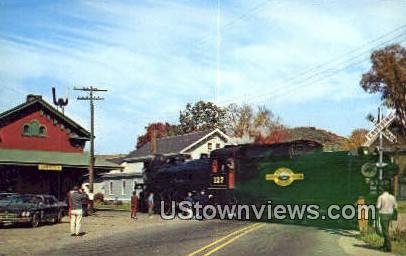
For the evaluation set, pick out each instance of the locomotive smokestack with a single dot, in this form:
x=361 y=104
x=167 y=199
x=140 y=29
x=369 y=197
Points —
x=153 y=142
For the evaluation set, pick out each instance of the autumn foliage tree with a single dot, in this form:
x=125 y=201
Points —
x=276 y=135
x=388 y=77
x=259 y=124
x=244 y=120
x=355 y=140
x=161 y=130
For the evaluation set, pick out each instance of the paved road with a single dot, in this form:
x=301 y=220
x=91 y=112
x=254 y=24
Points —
x=214 y=237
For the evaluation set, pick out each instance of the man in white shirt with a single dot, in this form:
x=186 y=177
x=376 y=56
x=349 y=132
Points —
x=386 y=204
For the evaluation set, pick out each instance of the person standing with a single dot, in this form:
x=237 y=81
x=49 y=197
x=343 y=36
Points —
x=134 y=205
x=386 y=204
x=203 y=200
x=150 y=201
x=189 y=199
x=90 y=202
x=76 y=199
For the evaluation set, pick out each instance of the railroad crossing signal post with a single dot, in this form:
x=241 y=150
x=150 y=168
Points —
x=379 y=131
x=91 y=98
x=380 y=163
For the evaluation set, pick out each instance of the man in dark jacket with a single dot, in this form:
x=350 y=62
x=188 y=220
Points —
x=76 y=199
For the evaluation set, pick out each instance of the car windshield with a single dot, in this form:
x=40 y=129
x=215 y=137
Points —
x=4 y=196
x=22 y=199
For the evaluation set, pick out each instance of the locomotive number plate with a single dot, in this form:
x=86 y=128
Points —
x=218 y=180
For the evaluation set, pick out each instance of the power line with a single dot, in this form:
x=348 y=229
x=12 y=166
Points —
x=329 y=68
x=333 y=72
x=352 y=51
x=319 y=76
x=315 y=74
x=291 y=90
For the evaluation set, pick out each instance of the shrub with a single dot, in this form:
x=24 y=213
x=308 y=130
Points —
x=98 y=197
x=118 y=202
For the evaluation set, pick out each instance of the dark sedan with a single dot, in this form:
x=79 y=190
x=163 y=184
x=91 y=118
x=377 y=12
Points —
x=32 y=209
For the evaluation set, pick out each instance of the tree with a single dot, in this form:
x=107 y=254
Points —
x=161 y=130
x=276 y=135
x=388 y=77
x=243 y=120
x=201 y=116
x=239 y=120
x=355 y=140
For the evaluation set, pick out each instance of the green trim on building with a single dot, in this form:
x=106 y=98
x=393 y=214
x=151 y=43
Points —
x=36 y=157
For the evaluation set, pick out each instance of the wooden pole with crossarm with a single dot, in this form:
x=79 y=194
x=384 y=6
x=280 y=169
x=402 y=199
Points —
x=91 y=98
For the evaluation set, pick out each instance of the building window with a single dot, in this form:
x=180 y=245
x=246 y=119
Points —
x=26 y=130
x=123 y=187
x=217 y=145
x=209 y=146
x=34 y=128
x=111 y=188
x=42 y=131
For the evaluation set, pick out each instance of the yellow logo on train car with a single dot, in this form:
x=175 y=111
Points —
x=284 y=176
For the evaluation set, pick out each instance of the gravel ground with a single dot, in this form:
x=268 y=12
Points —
x=114 y=230
x=23 y=240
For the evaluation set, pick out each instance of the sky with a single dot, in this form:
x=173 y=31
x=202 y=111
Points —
x=301 y=59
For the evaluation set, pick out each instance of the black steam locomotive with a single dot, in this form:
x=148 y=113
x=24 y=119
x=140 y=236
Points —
x=170 y=178
x=296 y=172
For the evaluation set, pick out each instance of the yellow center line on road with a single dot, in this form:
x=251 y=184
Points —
x=223 y=238
x=233 y=239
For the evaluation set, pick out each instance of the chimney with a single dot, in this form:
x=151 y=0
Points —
x=153 y=142
x=32 y=97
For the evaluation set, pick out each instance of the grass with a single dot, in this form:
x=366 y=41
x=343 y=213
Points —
x=375 y=241
x=402 y=206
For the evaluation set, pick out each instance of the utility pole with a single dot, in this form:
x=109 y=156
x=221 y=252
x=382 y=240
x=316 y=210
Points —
x=91 y=98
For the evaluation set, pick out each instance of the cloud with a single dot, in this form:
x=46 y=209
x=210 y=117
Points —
x=155 y=56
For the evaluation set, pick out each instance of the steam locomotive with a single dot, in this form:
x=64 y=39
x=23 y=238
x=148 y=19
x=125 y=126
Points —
x=297 y=172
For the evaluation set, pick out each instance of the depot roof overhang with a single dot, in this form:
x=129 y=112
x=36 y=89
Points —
x=35 y=157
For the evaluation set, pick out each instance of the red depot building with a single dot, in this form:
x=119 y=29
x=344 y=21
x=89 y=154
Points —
x=42 y=150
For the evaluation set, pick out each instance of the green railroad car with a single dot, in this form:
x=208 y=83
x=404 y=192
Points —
x=297 y=173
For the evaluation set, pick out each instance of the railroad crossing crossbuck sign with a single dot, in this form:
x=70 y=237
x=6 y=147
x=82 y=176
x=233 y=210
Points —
x=381 y=127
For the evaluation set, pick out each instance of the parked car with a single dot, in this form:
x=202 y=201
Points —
x=32 y=209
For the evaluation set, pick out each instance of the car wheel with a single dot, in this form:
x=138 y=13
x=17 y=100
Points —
x=35 y=220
